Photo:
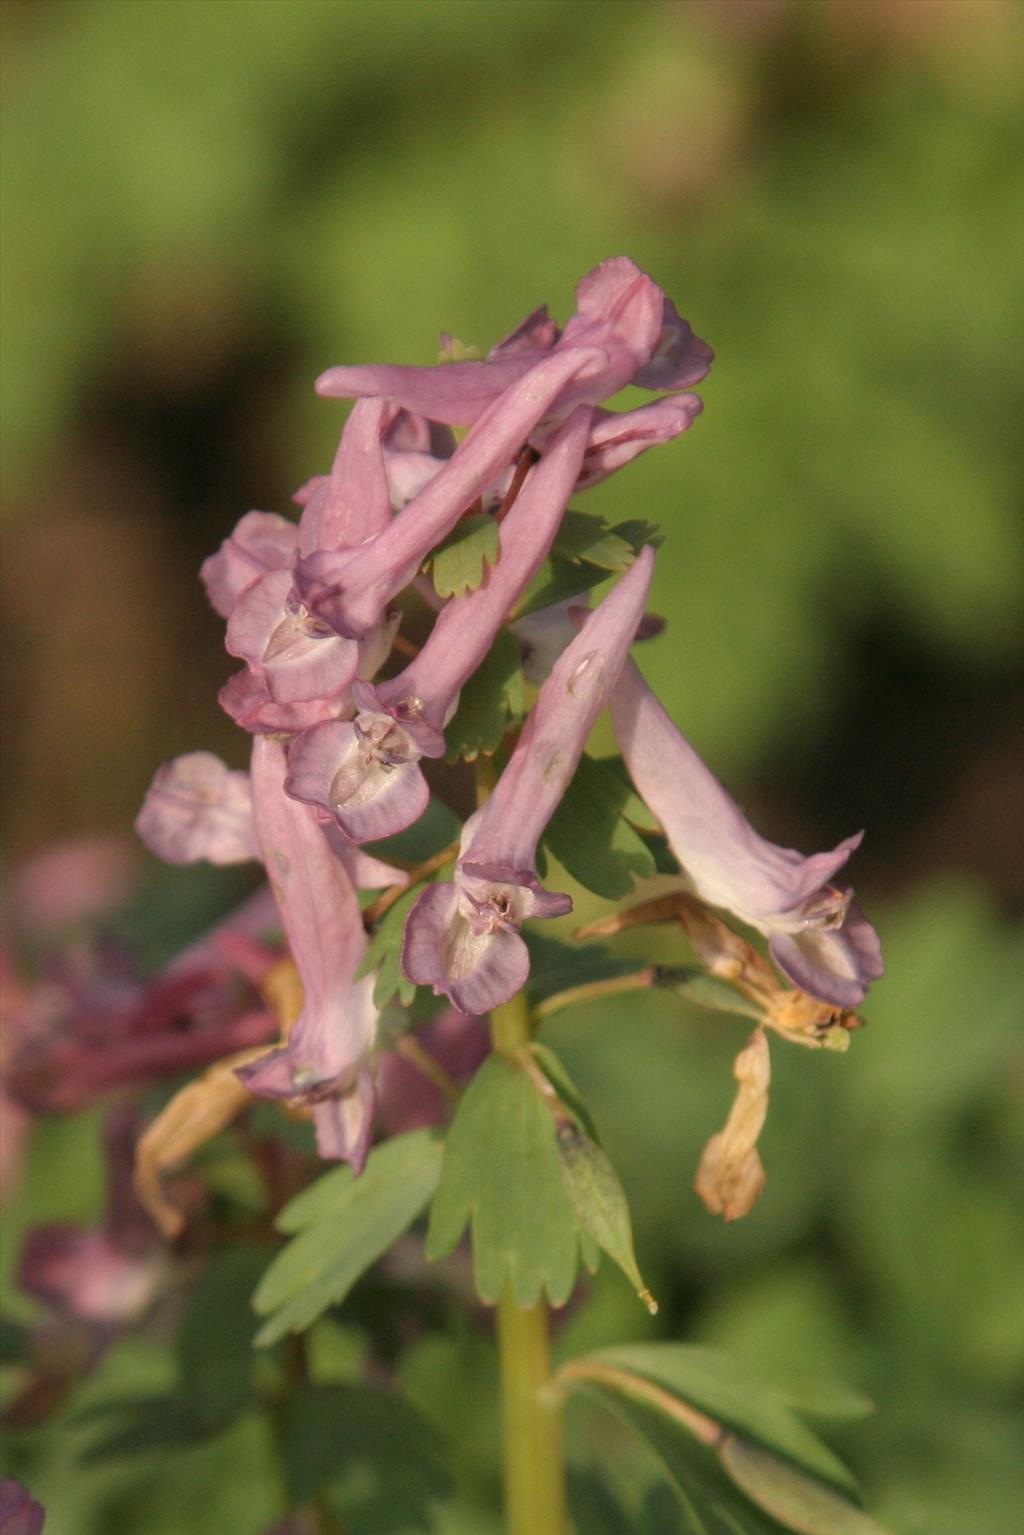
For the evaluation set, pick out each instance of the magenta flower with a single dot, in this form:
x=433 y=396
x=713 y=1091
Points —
x=822 y=942
x=90 y=1025
x=463 y=939
x=619 y=310
x=198 y=808
x=324 y=1064
x=106 y=1277
x=366 y=772
x=19 y=1514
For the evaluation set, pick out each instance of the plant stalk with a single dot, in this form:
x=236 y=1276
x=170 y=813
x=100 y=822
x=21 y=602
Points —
x=531 y=1411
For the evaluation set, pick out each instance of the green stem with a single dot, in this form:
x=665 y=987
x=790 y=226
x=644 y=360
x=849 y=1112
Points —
x=531 y=1411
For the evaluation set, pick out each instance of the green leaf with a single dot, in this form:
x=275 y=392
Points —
x=708 y=1502
x=586 y=537
x=138 y=1425
x=14 y=1341
x=436 y=829
x=490 y=700
x=375 y=1458
x=798 y=1501
x=214 y=1341
x=565 y=1087
x=384 y=952
x=556 y=966
x=344 y=1224
x=502 y=1174
x=705 y=990
x=633 y=807
x=739 y=1398
x=599 y=1200
x=556 y=581
x=458 y=565
x=590 y=837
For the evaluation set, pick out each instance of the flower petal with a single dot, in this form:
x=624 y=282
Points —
x=440 y=949
x=197 y=808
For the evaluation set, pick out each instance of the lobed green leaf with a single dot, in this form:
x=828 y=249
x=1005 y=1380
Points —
x=459 y=564
x=591 y=838
x=489 y=702
x=343 y=1225
x=502 y=1176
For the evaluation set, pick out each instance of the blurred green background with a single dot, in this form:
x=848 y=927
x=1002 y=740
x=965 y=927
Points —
x=207 y=202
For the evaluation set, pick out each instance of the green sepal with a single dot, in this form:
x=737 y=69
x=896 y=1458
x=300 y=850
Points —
x=592 y=839
x=705 y=990
x=490 y=701
x=459 y=564
x=502 y=1176
x=342 y=1225
x=565 y=1087
x=599 y=1200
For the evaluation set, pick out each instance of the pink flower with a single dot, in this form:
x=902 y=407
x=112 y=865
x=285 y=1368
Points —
x=463 y=939
x=822 y=942
x=197 y=808
x=106 y=1277
x=366 y=772
x=19 y=1514
x=325 y=1063
x=620 y=311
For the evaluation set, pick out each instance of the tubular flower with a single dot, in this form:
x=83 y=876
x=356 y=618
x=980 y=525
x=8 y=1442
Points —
x=294 y=660
x=324 y=1064
x=366 y=772
x=351 y=589
x=817 y=937
x=620 y=312
x=463 y=939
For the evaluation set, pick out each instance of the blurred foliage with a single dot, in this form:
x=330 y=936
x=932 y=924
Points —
x=209 y=201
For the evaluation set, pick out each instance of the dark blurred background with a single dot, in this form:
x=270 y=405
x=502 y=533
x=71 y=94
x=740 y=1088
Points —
x=207 y=202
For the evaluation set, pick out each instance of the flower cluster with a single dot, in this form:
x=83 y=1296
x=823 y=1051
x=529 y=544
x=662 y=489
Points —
x=341 y=734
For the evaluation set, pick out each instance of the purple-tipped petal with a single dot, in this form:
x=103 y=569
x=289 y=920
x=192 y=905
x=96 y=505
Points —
x=476 y=966
x=680 y=358
x=617 y=437
x=537 y=334
x=197 y=808
x=364 y=773
x=300 y=656
x=344 y=1125
x=261 y=542
x=728 y=864
x=835 y=964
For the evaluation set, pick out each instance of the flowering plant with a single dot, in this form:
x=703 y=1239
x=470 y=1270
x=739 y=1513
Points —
x=432 y=605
